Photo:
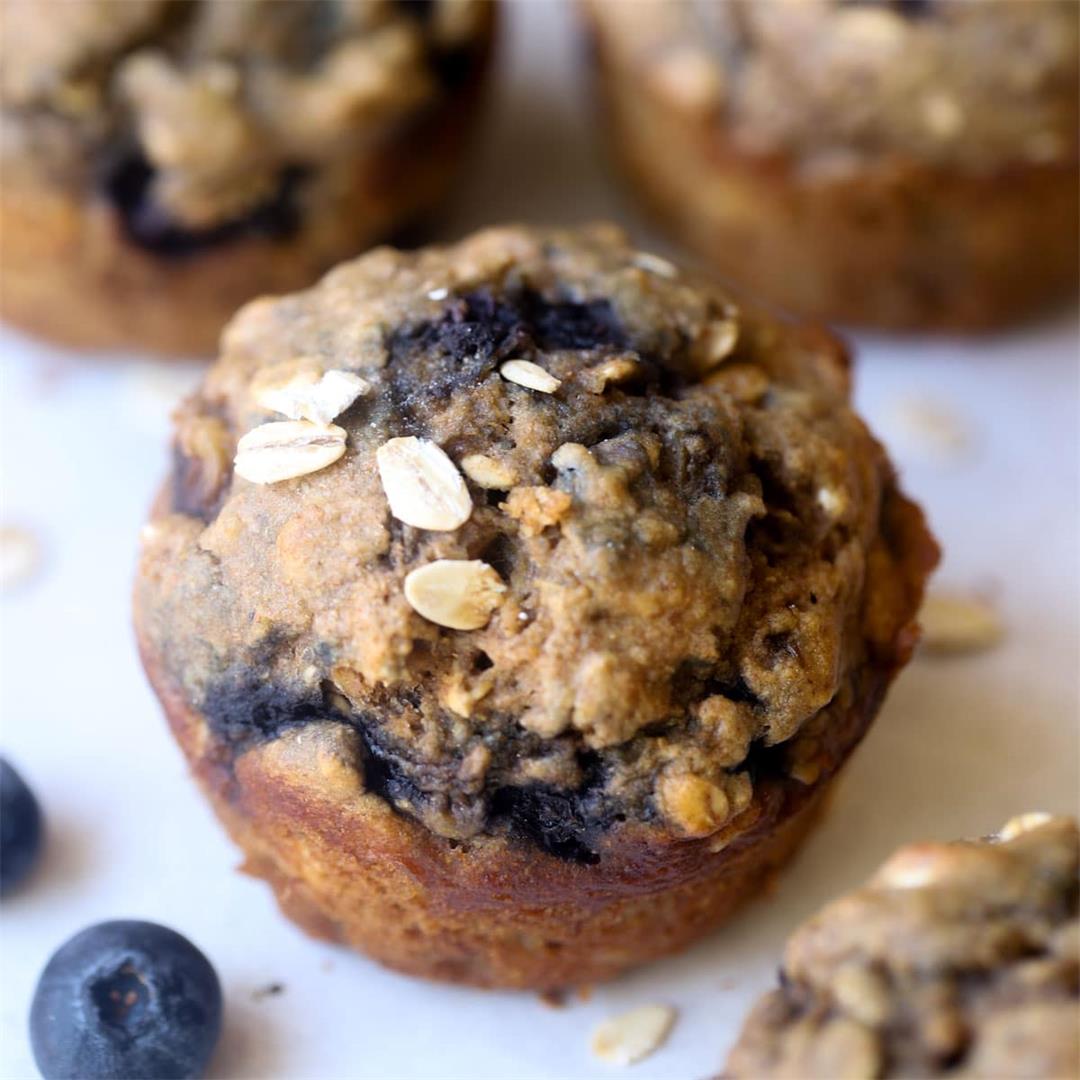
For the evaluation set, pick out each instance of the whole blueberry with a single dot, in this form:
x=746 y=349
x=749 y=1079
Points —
x=125 y=1000
x=20 y=828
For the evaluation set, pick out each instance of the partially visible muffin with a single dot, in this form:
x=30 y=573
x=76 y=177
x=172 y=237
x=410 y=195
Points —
x=517 y=601
x=958 y=959
x=165 y=161
x=908 y=164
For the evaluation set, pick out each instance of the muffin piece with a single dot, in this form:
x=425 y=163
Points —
x=166 y=161
x=595 y=583
x=905 y=164
x=957 y=959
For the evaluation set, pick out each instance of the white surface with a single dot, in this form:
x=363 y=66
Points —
x=961 y=745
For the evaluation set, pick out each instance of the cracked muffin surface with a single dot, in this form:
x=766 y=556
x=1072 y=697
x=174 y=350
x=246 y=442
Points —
x=909 y=164
x=184 y=130
x=958 y=959
x=563 y=542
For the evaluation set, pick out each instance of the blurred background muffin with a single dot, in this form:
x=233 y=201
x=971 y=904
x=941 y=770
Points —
x=164 y=162
x=906 y=165
x=954 y=959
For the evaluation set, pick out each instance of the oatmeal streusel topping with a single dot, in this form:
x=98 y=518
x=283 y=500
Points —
x=618 y=597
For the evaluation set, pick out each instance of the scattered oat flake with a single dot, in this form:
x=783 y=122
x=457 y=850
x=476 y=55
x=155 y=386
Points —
x=284 y=449
x=716 y=342
x=954 y=624
x=655 y=264
x=422 y=485
x=1023 y=823
x=633 y=1035
x=438 y=294
x=616 y=370
x=532 y=376
x=930 y=429
x=20 y=556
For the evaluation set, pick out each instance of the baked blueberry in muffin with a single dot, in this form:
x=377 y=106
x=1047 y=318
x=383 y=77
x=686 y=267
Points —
x=900 y=164
x=958 y=959
x=166 y=161
x=516 y=602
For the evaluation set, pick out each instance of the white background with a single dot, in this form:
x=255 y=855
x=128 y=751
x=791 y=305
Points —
x=961 y=745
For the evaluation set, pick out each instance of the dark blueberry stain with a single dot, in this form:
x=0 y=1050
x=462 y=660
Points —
x=244 y=711
x=913 y=8
x=554 y=820
x=128 y=185
x=567 y=824
x=738 y=691
x=430 y=360
x=190 y=491
x=385 y=773
x=572 y=325
x=765 y=761
x=697 y=680
x=422 y=10
x=910 y=9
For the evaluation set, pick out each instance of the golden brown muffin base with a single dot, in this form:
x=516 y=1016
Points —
x=69 y=274
x=491 y=912
x=895 y=244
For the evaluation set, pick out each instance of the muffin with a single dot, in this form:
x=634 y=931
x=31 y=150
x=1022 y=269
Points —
x=164 y=161
x=909 y=165
x=516 y=602
x=955 y=959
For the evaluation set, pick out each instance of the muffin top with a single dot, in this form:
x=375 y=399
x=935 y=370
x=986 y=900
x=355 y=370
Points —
x=538 y=515
x=957 y=959
x=196 y=115
x=835 y=83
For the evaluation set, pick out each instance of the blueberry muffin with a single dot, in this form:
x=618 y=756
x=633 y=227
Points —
x=166 y=161
x=908 y=164
x=516 y=602
x=957 y=959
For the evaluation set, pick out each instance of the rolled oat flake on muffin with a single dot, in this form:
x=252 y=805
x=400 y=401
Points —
x=285 y=449
x=311 y=396
x=422 y=485
x=457 y=593
x=526 y=688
